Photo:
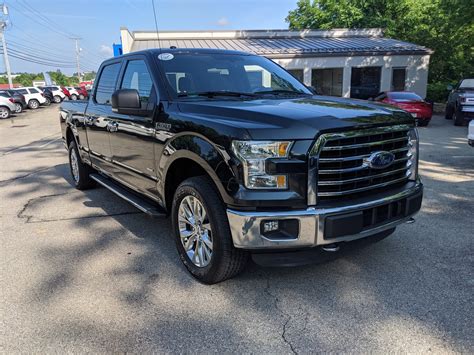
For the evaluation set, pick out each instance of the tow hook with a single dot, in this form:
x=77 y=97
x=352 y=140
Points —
x=410 y=221
x=332 y=248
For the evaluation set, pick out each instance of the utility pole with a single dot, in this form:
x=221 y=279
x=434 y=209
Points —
x=3 y=25
x=78 y=52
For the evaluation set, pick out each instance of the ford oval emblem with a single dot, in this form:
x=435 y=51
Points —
x=379 y=160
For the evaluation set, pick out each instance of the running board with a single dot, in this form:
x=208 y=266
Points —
x=128 y=196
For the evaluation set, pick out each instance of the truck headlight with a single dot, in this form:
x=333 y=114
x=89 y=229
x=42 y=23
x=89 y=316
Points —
x=413 y=153
x=253 y=154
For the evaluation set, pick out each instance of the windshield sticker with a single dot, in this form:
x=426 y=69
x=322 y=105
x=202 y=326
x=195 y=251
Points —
x=165 y=56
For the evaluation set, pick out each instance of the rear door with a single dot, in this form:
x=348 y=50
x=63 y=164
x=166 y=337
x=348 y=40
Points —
x=98 y=115
x=132 y=139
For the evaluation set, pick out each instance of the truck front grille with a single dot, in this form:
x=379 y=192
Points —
x=342 y=172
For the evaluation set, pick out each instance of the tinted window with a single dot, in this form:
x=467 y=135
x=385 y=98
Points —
x=22 y=91
x=33 y=91
x=404 y=96
x=137 y=77
x=4 y=94
x=106 y=84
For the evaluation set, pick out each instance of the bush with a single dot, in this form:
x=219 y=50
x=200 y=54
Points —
x=437 y=92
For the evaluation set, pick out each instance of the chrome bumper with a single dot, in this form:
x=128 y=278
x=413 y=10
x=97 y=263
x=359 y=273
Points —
x=245 y=226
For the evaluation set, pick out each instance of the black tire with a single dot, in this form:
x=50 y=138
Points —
x=74 y=97
x=4 y=112
x=423 y=123
x=57 y=99
x=18 y=108
x=81 y=97
x=33 y=104
x=226 y=261
x=449 y=112
x=81 y=179
x=47 y=102
x=458 y=117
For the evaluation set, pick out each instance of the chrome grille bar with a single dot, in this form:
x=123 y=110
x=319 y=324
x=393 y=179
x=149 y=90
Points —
x=369 y=144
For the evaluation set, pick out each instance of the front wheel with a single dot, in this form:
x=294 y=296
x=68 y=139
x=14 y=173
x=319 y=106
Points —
x=449 y=112
x=202 y=232
x=458 y=118
x=18 y=108
x=81 y=97
x=4 y=112
x=74 y=97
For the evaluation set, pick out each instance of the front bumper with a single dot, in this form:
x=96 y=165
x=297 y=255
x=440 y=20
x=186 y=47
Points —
x=320 y=226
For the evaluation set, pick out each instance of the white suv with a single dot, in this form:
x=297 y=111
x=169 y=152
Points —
x=6 y=107
x=33 y=96
x=58 y=94
x=74 y=93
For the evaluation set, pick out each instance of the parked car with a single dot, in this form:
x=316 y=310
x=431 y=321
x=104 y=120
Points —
x=48 y=95
x=66 y=92
x=470 y=134
x=243 y=167
x=460 y=105
x=74 y=94
x=33 y=96
x=83 y=94
x=18 y=99
x=58 y=94
x=7 y=107
x=410 y=102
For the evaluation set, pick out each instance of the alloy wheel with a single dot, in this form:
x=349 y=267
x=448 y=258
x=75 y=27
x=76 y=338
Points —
x=195 y=231
x=74 y=165
x=3 y=112
x=18 y=108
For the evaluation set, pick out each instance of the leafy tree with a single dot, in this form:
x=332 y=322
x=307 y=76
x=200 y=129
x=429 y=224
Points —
x=445 y=26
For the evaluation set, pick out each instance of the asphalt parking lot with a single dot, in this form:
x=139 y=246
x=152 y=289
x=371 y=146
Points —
x=86 y=272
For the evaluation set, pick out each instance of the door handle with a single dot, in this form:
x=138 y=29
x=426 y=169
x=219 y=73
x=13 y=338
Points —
x=112 y=126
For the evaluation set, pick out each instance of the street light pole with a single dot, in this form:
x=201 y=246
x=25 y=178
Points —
x=3 y=25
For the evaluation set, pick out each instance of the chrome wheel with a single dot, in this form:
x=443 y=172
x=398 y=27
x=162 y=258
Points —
x=18 y=108
x=4 y=112
x=195 y=231
x=34 y=104
x=74 y=165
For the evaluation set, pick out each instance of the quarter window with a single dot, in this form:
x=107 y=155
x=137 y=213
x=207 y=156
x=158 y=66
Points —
x=106 y=84
x=137 y=77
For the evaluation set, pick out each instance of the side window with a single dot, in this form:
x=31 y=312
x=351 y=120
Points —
x=22 y=91
x=137 y=77
x=106 y=84
x=33 y=91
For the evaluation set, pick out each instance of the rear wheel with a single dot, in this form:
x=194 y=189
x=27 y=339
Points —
x=202 y=232
x=4 y=112
x=81 y=97
x=458 y=118
x=74 y=97
x=449 y=112
x=18 y=108
x=33 y=104
x=79 y=171
x=57 y=99
x=47 y=102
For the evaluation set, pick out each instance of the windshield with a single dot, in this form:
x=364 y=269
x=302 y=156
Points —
x=190 y=74
x=405 y=96
x=467 y=83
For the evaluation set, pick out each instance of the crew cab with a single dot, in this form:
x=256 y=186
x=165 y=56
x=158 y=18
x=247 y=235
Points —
x=460 y=105
x=244 y=159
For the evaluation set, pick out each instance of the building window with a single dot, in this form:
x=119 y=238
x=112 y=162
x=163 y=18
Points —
x=365 y=82
x=297 y=73
x=398 y=79
x=327 y=81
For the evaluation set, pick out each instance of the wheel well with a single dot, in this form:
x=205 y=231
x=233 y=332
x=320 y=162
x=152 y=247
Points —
x=69 y=136
x=179 y=171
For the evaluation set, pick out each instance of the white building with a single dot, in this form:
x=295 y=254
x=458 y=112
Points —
x=341 y=62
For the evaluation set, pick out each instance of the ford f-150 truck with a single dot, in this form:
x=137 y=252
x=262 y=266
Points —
x=244 y=159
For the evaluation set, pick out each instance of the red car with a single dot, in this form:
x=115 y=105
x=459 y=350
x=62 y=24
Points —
x=410 y=102
x=83 y=94
x=66 y=92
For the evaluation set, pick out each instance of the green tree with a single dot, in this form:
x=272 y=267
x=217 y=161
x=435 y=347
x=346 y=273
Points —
x=445 y=26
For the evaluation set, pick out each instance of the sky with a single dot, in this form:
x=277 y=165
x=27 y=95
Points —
x=40 y=30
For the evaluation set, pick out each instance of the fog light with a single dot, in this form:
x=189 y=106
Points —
x=270 y=226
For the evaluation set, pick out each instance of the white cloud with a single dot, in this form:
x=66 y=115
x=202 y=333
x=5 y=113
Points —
x=106 y=50
x=223 y=21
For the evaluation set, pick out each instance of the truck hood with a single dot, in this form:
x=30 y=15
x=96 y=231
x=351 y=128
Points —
x=301 y=118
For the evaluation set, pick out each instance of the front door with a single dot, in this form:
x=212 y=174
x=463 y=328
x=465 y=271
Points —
x=98 y=116
x=132 y=137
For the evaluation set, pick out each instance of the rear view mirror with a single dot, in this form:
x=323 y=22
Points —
x=449 y=87
x=127 y=102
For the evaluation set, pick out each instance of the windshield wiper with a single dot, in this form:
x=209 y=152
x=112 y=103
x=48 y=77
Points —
x=280 y=92
x=211 y=94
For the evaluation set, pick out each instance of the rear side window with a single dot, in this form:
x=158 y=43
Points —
x=22 y=91
x=106 y=84
x=137 y=77
x=33 y=91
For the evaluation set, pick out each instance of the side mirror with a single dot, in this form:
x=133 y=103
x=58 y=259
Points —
x=127 y=102
x=449 y=87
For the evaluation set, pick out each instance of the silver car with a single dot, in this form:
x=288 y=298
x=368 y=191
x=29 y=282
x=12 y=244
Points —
x=6 y=107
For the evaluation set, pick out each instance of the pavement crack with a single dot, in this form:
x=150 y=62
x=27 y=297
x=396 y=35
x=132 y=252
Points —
x=21 y=214
x=283 y=334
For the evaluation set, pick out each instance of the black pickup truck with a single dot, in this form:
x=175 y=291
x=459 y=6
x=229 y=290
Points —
x=243 y=157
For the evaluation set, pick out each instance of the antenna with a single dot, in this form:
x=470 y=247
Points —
x=156 y=24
